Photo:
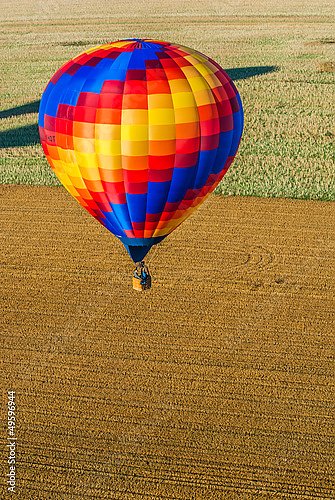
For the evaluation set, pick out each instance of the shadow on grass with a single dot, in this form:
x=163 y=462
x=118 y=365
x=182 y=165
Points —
x=250 y=71
x=21 y=136
x=28 y=134
x=30 y=107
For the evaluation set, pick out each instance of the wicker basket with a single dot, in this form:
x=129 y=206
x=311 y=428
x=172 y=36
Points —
x=141 y=278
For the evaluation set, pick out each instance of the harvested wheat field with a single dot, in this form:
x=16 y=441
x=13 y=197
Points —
x=214 y=384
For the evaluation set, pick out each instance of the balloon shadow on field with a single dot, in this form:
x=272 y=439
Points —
x=21 y=136
x=250 y=71
x=30 y=107
x=28 y=135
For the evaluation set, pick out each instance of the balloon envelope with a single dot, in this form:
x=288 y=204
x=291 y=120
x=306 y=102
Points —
x=140 y=132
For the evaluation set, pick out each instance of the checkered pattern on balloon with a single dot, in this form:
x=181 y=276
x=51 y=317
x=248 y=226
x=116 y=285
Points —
x=140 y=132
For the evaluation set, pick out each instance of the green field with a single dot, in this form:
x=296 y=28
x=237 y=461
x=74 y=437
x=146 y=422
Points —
x=279 y=53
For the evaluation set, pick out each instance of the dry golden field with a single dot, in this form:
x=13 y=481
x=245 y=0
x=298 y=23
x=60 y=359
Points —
x=215 y=384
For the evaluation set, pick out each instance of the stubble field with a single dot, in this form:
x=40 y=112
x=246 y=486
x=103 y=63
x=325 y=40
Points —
x=217 y=383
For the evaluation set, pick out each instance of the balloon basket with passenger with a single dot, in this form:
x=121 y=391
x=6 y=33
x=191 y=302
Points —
x=141 y=277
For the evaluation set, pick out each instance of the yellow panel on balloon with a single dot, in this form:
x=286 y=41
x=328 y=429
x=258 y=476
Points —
x=158 y=132
x=186 y=115
x=134 y=148
x=190 y=71
x=132 y=116
x=161 y=116
x=67 y=155
x=84 y=145
x=159 y=101
x=183 y=100
x=78 y=182
x=72 y=169
x=180 y=85
x=134 y=132
x=212 y=80
x=108 y=132
x=90 y=174
x=202 y=69
x=71 y=189
x=110 y=162
x=107 y=147
x=198 y=83
x=86 y=159
x=203 y=97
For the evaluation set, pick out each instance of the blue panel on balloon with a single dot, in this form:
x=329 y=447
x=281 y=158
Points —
x=237 y=134
x=222 y=151
x=122 y=215
x=182 y=180
x=139 y=58
x=111 y=225
x=90 y=83
x=157 y=196
x=122 y=61
x=70 y=97
x=99 y=74
x=184 y=177
x=43 y=103
x=56 y=94
x=205 y=162
x=137 y=206
x=111 y=217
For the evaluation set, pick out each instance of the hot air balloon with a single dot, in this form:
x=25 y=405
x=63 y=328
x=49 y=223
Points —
x=140 y=132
